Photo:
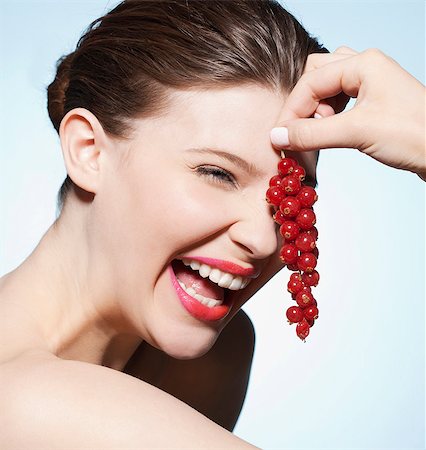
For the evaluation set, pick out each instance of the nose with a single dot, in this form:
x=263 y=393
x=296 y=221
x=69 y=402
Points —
x=255 y=231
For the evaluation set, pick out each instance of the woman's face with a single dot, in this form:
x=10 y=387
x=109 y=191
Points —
x=191 y=185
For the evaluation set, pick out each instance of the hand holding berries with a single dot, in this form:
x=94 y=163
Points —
x=294 y=213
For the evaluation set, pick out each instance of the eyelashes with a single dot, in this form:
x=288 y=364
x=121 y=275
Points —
x=217 y=175
x=220 y=176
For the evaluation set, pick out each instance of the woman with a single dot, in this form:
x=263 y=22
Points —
x=109 y=188
x=164 y=112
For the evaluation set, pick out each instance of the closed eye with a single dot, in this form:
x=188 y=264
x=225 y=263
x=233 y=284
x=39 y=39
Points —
x=217 y=175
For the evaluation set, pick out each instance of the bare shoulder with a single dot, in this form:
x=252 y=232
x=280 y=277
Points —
x=49 y=401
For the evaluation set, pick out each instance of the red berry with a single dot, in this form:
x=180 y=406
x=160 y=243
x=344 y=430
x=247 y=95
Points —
x=286 y=166
x=311 y=312
x=306 y=218
x=299 y=252
x=310 y=322
x=311 y=279
x=308 y=300
x=296 y=277
x=294 y=285
x=313 y=231
x=302 y=329
x=289 y=230
x=279 y=217
x=306 y=289
x=304 y=299
x=307 y=196
x=275 y=181
x=291 y=185
x=275 y=195
x=294 y=314
x=299 y=172
x=306 y=262
x=305 y=242
x=290 y=206
x=288 y=254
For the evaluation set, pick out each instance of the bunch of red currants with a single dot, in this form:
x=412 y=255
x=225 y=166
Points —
x=294 y=213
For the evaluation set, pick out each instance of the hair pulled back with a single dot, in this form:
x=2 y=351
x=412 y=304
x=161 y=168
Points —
x=127 y=61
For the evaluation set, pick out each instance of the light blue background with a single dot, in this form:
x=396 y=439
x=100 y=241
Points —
x=359 y=380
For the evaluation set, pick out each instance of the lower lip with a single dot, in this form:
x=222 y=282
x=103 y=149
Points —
x=194 y=307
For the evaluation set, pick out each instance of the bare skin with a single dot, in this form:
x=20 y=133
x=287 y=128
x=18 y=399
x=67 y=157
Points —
x=215 y=385
x=92 y=297
x=388 y=115
x=68 y=335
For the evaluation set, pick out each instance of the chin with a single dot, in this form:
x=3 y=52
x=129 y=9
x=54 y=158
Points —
x=186 y=347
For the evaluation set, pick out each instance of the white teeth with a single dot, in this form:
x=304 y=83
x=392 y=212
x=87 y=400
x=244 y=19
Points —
x=204 y=270
x=225 y=280
x=200 y=298
x=215 y=275
x=210 y=302
x=236 y=284
x=195 y=265
x=190 y=291
x=222 y=279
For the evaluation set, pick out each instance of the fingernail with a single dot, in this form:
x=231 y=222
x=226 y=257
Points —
x=317 y=116
x=279 y=136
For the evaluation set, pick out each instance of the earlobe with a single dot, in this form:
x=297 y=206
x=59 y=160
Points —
x=82 y=137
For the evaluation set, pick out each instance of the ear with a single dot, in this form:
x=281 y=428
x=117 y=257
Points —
x=82 y=141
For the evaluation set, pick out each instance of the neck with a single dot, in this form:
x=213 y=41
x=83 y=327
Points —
x=61 y=290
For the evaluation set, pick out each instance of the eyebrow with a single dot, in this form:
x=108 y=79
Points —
x=250 y=168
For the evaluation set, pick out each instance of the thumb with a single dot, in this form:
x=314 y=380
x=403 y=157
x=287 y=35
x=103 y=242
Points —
x=337 y=131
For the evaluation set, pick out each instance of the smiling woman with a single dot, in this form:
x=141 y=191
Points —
x=224 y=219
x=164 y=112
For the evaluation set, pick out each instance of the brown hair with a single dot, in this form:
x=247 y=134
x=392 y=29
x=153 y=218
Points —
x=127 y=61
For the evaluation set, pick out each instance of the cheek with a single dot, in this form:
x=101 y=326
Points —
x=192 y=211
x=160 y=217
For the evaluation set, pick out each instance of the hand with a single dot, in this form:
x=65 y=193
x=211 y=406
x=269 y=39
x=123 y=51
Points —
x=387 y=121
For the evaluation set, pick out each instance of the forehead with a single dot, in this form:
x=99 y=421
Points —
x=238 y=119
x=248 y=108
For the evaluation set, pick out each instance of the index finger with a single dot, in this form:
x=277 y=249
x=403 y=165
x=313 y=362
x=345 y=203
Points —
x=321 y=83
x=316 y=60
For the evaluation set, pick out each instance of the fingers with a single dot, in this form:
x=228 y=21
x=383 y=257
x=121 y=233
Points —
x=332 y=106
x=388 y=114
x=335 y=131
x=331 y=79
x=316 y=60
x=326 y=108
x=346 y=50
x=323 y=91
x=337 y=104
x=329 y=106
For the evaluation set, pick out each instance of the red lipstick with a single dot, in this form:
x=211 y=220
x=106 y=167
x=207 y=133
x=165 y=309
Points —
x=227 y=266
x=194 y=307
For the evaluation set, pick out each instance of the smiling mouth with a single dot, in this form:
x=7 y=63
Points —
x=209 y=285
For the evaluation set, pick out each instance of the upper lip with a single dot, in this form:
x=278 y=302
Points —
x=227 y=266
